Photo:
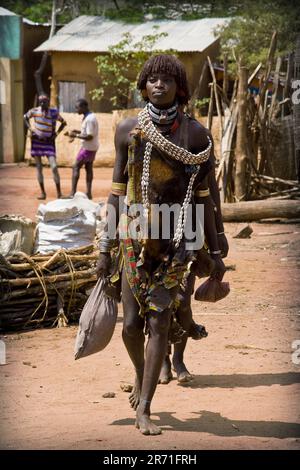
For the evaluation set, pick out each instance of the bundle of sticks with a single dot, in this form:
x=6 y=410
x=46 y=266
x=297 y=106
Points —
x=45 y=289
x=267 y=187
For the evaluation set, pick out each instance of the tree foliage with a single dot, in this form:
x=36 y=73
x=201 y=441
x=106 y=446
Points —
x=119 y=68
x=251 y=22
x=247 y=37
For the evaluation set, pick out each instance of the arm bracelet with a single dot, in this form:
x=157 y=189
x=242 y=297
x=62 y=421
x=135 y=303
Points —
x=105 y=245
x=118 y=189
x=202 y=192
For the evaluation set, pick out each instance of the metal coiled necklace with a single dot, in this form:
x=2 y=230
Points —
x=176 y=153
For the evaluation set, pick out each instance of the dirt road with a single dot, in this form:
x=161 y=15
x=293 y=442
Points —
x=246 y=389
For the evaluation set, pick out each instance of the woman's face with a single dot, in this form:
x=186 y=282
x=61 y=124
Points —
x=161 y=90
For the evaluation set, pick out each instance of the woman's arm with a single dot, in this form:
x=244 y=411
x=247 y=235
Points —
x=118 y=190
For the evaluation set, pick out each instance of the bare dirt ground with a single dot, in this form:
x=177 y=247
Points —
x=246 y=389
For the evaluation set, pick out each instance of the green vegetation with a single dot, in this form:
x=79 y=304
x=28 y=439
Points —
x=247 y=37
x=118 y=70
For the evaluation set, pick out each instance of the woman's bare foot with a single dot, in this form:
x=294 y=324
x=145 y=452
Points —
x=134 y=397
x=146 y=426
x=165 y=374
x=183 y=374
x=42 y=196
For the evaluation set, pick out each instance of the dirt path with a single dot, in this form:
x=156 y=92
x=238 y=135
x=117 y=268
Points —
x=246 y=390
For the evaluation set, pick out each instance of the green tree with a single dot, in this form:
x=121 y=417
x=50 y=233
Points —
x=247 y=36
x=119 y=68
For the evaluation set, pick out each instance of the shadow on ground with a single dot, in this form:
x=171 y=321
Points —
x=215 y=423
x=243 y=380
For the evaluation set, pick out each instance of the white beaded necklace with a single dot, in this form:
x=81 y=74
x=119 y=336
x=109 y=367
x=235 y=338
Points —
x=176 y=153
x=172 y=150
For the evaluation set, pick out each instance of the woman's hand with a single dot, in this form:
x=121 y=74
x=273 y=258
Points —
x=103 y=265
x=219 y=268
x=223 y=245
x=204 y=265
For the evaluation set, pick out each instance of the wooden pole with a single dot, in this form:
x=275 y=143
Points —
x=216 y=95
x=248 y=211
x=39 y=71
x=196 y=92
x=241 y=138
x=275 y=89
x=210 y=108
x=225 y=76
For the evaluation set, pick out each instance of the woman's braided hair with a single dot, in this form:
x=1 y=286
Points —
x=169 y=65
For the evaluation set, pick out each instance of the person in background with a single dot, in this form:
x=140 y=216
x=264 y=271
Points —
x=89 y=136
x=43 y=135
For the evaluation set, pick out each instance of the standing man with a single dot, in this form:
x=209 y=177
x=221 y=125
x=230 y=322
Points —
x=43 y=136
x=89 y=136
x=162 y=157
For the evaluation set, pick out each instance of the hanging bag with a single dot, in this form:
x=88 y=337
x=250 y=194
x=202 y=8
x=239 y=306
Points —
x=97 y=322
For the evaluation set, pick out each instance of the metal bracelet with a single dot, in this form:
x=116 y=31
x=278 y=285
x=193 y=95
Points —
x=105 y=245
x=220 y=233
x=217 y=252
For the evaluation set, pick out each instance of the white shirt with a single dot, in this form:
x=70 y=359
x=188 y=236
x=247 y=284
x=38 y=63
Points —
x=90 y=126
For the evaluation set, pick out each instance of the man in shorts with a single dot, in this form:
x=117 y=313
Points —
x=89 y=136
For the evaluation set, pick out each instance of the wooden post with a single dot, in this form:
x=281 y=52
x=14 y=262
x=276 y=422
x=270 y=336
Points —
x=275 y=90
x=265 y=80
x=196 y=92
x=39 y=71
x=296 y=109
x=225 y=76
x=214 y=86
x=241 y=138
x=285 y=109
x=210 y=108
x=248 y=211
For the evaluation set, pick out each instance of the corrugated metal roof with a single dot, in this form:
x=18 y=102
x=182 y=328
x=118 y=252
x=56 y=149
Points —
x=96 y=34
x=5 y=12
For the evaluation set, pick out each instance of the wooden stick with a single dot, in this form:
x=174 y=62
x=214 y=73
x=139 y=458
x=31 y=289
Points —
x=225 y=76
x=27 y=266
x=50 y=279
x=253 y=75
x=79 y=284
x=197 y=90
x=275 y=88
x=216 y=95
x=210 y=108
x=278 y=180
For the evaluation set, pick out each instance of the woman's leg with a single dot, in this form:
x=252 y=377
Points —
x=133 y=337
x=184 y=316
x=158 y=323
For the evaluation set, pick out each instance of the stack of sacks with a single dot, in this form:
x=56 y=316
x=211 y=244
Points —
x=66 y=223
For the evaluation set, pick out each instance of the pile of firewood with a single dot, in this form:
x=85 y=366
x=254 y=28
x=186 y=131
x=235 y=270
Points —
x=45 y=289
x=267 y=187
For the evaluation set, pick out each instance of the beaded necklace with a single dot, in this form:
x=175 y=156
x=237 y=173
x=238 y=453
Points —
x=176 y=153
x=162 y=116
